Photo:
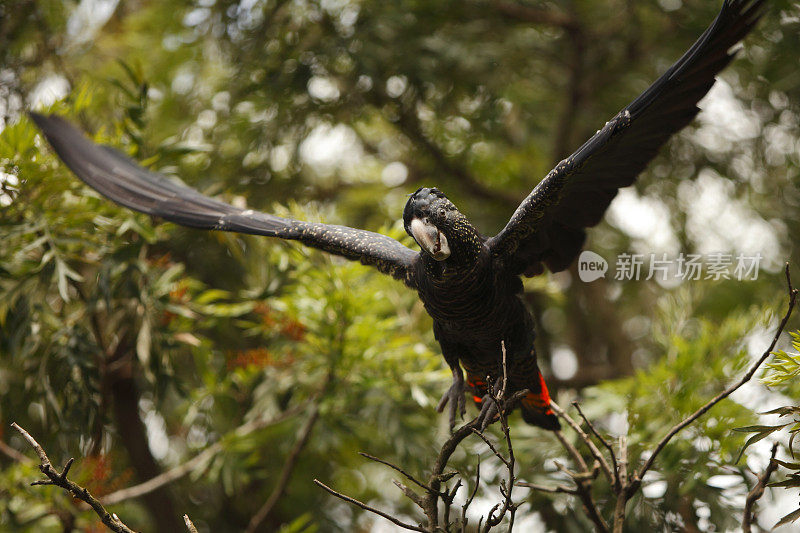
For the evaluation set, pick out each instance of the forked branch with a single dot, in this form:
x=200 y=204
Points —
x=111 y=521
x=616 y=468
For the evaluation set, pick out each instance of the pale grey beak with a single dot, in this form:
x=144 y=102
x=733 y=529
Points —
x=430 y=238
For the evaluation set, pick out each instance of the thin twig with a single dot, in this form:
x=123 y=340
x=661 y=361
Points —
x=485 y=439
x=112 y=521
x=467 y=503
x=435 y=479
x=396 y=468
x=543 y=488
x=447 y=498
x=366 y=507
x=582 y=482
x=604 y=442
x=622 y=493
x=413 y=496
x=508 y=504
x=189 y=524
x=598 y=456
x=758 y=491
x=502 y=394
x=637 y=480
x=571 y=450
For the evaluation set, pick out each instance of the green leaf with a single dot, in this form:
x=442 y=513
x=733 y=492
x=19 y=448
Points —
x=788 y=519
x=787 y=483
x=788 y=465
x=211 y=295
x=783 y=411
x=750 y=429
x=762 y=434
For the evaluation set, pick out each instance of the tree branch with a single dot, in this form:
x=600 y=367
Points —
x=637 y=480
x=587 y=440
x=500 y=398
x=582 y=479
x=467 y=503
x=397 y=468
x=189 y=524
x=112 y=521
x=622 y=492
x=543 y=488
x=366 y=507
x=409 y=125
x=758 y=491
x=604 y=442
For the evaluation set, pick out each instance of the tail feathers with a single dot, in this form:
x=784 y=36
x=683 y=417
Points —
x=535 y=406
x=536 y=409
x=535 y=416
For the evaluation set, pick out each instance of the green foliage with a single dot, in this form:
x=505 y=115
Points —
x=784 y=368
x=221 y=333
x=700 y=358
x=781 y=374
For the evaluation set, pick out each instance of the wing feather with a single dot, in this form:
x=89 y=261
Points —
x=119 y=178
x=548 y=226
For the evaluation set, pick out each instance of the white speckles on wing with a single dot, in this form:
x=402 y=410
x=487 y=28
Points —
x=121 y=179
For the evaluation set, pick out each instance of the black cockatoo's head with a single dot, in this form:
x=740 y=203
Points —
x=429 y=218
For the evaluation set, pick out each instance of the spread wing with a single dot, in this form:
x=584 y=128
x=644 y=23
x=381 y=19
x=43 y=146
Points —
x=547 y=229
x=119 y=178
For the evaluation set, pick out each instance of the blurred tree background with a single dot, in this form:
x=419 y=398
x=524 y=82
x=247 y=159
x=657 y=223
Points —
x=135 y=346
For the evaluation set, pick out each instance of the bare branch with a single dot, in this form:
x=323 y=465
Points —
x=366 y=507
x=471 y=497
x=571 y=450
x=622 y=493
x=189 y=524
x=587 y=440
x=485 y=439
x=582 y=480
x=758 y=490
x=435 y=479
x=43 y=460
x=503 y=405
x=502 y=393
x=604 y=442
x=637 y=480
x=543 y=488
x=410 y=494
x=112 y=521
x=447 y=499
x=396 y=468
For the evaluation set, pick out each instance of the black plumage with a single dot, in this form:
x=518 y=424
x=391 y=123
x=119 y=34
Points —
x=470 y=285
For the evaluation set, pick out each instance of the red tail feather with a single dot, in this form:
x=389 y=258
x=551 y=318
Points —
x=536 y=408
